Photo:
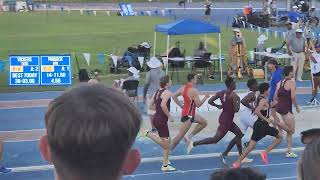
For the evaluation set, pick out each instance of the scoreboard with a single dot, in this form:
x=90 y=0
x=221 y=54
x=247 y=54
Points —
x=26 y=70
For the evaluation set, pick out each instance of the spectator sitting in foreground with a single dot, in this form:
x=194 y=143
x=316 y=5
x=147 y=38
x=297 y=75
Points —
x=133 y=74
x=238 y=174
x=90 y=130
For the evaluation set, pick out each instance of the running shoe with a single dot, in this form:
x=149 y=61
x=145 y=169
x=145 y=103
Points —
x=291 y=155
x=169 y=163
x=223 y=159
x=246 y=160
x=236 y=165
x=4 y=170
x=264 y=157
x=154 y=130
x=168 y=168
x=190 y=147
x=211 y=77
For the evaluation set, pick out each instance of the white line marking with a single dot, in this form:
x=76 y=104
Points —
x=201 y=170
x=158 y=159
x=27 y=130
x=288 y=177
x=17 y=141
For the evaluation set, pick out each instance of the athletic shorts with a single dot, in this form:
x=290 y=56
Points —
x=224 y=128
x=247 y=119
x=262 y=129
x=316 y=74
x=162 y=128
x=187 y=118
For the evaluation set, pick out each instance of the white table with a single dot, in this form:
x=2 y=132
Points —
x=272 y=55
x=213 y=58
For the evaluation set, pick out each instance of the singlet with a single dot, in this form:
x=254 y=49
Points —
x=284 y=99
x=227 y=115
x=244 y=108
x=189 y=106
x=160 y=115
x=264 y=112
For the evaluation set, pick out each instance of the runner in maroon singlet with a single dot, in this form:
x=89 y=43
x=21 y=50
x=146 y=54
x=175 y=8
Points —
x=230 y=103
x=161 y=103
x=286 y=96
x=191 y=101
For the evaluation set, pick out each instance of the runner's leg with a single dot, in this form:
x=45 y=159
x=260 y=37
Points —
x=211 y=140
x=252 y=146
x=182 y=132
x=235 y=141
x=202 y=123
x=290 y=122
x=275 y=142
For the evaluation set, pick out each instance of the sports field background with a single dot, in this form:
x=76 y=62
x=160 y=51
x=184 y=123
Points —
x=60 y=32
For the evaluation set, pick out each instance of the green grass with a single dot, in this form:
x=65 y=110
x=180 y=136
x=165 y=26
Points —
x=59 y=32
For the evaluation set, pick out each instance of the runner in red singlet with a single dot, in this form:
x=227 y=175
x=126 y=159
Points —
x=191 y=101
x=230 y=103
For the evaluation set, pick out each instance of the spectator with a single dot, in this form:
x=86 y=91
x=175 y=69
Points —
x=152 y=84
x=133 y=74
x=308 y=165
x=294 y=15
x=296 y=49
x=313 y=15
x=238 y=174
x=201 y=52
x=85 y=126
x=3 y=169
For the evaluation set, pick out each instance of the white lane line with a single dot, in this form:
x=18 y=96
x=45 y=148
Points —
x=158 y=159
x=26 y=130
x=287 y=177
x=202 y=170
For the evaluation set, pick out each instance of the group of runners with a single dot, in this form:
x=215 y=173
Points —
x=261 y=107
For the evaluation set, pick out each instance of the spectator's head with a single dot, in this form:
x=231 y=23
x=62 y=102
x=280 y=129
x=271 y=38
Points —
x=93 y=81
x=201 y=45
x=288 y=71
x=264 y=89
x=289 y=25
x=90 y=132
x=252 y=85
x=154 y=63
x=192 y=78
x=177 y=44
x=313 y=8
x=317 y=46
x=308 y=135
x=299 y=33
x=165 y=81
x=132 y=71
x=308 y=165
x=230 y=84
x=238 y=174
x=272 y=64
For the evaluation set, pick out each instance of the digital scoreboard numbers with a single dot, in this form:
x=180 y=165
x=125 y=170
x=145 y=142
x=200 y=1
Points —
x=29 y=70
x=24 y=70
x=56 y=70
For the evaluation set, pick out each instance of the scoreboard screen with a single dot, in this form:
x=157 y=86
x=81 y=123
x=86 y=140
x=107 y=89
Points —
x=26 y=70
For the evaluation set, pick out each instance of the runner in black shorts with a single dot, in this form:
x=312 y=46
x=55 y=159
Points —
x=261 y=127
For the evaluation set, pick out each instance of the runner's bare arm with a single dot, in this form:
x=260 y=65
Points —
x=263 y=103
x=276 y=93
x=294 y=96
x=235 y=101
x=246 y=101
x=176 y=95
x=213 y=98
x=165 y=97
x=151 y=103
x=195 y=96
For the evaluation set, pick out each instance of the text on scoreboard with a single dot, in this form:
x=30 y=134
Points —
x=40 y=70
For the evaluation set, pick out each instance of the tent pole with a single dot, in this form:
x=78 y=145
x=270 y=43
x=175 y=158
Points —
x=220 y=60
x=154 y=43
x=168 y=41
x=205 y=40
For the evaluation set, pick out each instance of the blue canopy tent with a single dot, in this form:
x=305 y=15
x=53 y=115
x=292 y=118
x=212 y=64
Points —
x=187 y=27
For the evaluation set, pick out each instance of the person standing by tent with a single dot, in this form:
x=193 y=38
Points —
x=152 y=84
x=207 y=12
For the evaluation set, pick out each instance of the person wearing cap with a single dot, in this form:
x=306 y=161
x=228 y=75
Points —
x=133 y=74
x=152 y=84
x=313 y=15
x=315 y=71
x=294 y=15
x=308 y=166
x=296 y=49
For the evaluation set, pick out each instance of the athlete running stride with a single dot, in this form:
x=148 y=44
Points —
x=191 y=101
x=230 y=103
x=161 y=103
x=285 y=96
x=261 y=127
x=247 y=117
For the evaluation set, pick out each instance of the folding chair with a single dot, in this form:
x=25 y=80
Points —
x=131 y=88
